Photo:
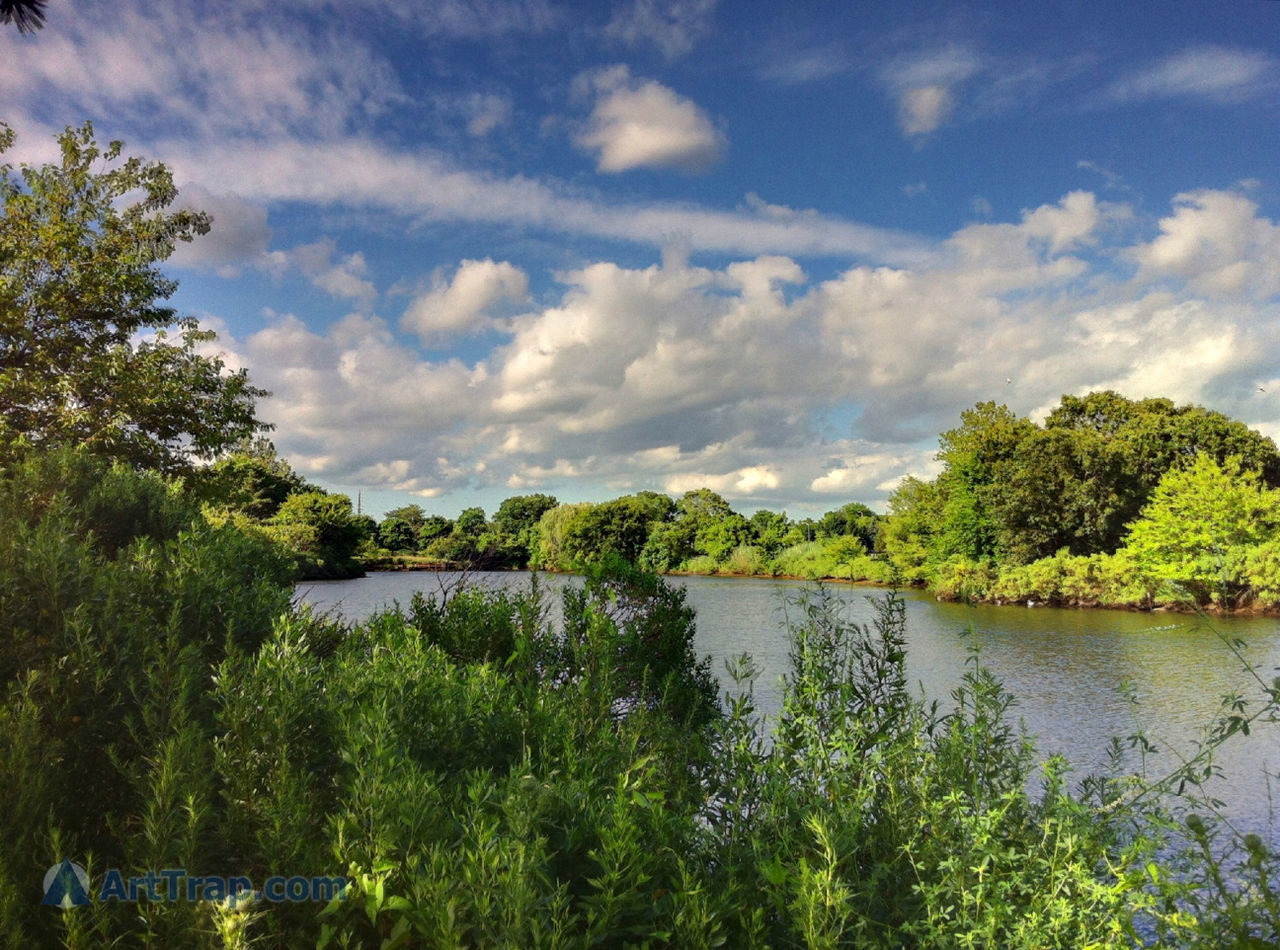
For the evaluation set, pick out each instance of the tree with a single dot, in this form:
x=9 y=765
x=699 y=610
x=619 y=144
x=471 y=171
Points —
x=413 y=515
x=612 y=529
x=552 y=553
x=323 y=530
x=1062 y=489
x=770 y=529
x=433 y=527
x=1200 y=521
x=252 y=479
x=516 y=525
x=396 y=534
x=988 y=435
x=854 y=519
x=88 y=353
x=26 y=15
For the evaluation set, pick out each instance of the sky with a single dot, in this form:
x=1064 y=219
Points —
x=479 y=249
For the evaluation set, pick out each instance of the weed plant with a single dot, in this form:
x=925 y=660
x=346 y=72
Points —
x=484 y=777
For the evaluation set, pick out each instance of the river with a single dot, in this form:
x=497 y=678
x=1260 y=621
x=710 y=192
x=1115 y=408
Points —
x=1067 y=668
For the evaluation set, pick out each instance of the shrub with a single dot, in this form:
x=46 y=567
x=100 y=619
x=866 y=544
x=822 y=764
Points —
x=745 y=559
x=809 y=560
x=701 y=564
x=959 y=578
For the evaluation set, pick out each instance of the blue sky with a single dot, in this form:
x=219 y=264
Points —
x=481 y=249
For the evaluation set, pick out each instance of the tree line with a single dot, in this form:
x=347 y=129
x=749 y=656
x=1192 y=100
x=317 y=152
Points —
x=1110 y=501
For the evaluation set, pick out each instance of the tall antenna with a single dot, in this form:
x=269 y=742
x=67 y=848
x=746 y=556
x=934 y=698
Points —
x=359 y=499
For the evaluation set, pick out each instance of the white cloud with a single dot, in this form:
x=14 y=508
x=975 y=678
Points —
x=743 y=482
x=461 y=305
x=487 y=112
x=1206 y=72
x=643 y=124
x=925 y=86
x=674 y=26
x=793 y=62
x=922 y=109
x=1215 y=242
x=240 y=78
x=343 y=277
x=675 y=376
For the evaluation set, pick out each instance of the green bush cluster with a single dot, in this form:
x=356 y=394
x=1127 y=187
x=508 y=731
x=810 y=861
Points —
x=1110 y=503
x=485 y=777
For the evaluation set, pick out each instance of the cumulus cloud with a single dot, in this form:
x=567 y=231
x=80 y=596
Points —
x=462 y=305
x=643 y=124
x=1215 y=243
x=676 y=376
x=673 y=26
x=342 y=276
x=925 y=84
x=1207 y=72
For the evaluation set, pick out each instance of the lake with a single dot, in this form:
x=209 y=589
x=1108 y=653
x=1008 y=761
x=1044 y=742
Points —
x=1068 y=668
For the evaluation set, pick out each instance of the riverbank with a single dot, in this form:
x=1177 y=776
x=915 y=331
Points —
x=1148 y=604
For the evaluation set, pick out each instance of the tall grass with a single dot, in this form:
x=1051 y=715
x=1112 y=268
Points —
x=483 y=777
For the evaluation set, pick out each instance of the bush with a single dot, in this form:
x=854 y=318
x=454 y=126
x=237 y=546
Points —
x=745 y=559
x=701 y=564
x=809 y=560
x=116 y=599
x=959 y=578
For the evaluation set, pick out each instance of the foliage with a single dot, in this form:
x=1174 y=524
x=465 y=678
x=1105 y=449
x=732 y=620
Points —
x=109 y=625
x=252 y=479
x=1096 y=506
x=86 y=351
x=552 y=553
x=396 y=534
x=483 y=776
x=516 y=524
x=1196 y=523
x=322 y=531
x=612 y=529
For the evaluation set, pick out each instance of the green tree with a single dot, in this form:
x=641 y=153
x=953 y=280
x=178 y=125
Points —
x=1153 y=436
x=915 y=517
x=88 y=354
x=854 y=519
x=396 y=534
x=412 y=515
x=770 y=529
x=719 y=538
x=252 y=479
x=614 y=529
x=432 y=527
x=1200 y=521
x=323 y=531
x=516 y=525
x=1062 y=490
x=987 y=436
x=553 y=526
x=471 y=523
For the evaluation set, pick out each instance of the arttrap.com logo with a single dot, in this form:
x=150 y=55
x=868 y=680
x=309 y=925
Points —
x=67 y=885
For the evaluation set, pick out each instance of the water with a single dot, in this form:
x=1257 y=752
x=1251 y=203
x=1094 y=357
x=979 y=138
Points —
x=1068 y=668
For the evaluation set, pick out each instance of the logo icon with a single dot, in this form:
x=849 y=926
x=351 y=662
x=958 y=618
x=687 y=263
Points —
x=66 y=885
